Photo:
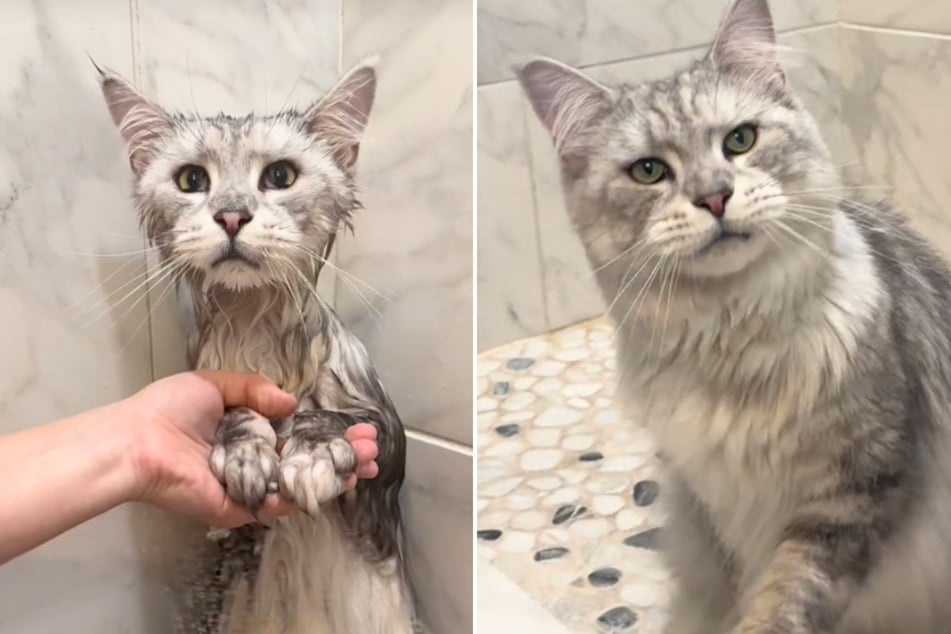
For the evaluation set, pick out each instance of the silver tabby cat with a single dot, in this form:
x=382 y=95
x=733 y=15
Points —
x=242 y=211
x=788 y=345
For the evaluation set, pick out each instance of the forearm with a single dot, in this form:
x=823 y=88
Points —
x=56 y=476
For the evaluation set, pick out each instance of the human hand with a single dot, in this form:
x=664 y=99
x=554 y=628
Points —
x=175 y=421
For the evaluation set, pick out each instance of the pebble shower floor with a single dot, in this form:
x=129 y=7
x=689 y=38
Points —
x=568 y=500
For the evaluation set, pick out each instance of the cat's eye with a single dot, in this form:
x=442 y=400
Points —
x=279 y=175
x=192 y=178
x=649 y=171
x=740 y=140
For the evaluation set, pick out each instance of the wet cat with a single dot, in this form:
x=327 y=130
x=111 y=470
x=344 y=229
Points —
x=787 y=343
x=243 y=211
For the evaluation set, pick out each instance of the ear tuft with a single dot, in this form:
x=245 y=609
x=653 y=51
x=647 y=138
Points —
x=566 y=101
x=340 y=118
x=141 y=123
x=746 y=41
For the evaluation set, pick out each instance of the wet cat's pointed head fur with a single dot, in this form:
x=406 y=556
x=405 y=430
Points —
x=698 y=172
x=244 y=202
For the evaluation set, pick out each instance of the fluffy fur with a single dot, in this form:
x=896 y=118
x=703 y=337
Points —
x=791 y=355
x=246 y=250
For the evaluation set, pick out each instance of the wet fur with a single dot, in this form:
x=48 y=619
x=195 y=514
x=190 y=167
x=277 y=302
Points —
x=336 y=566
x=799 y=382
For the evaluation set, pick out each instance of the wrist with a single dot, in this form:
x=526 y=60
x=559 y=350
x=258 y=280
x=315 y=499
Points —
x=121 y=450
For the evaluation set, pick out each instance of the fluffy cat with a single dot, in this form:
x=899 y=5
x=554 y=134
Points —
x=787 y=343
x=243 y=212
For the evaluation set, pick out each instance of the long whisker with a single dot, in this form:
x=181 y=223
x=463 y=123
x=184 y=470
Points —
x=641 y=293
x=136 y=281
x=336 y=269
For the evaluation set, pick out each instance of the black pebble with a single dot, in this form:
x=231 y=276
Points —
x=603 y=577
x=507 y=431
x=645 y=539
x=617 y=619
x=550 y=553
x=519 y=363
x=567 y=512
x=501 y=388
x=591 y=456
x=489 y=534
x=645 y=492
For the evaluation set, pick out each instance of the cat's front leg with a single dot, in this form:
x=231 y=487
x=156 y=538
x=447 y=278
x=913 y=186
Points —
x=824 y=556
x=317 y=459
x=244 y=458
x=703 y=599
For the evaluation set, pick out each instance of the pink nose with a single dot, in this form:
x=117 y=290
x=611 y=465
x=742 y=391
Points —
x=715 y=203
x=232 y=221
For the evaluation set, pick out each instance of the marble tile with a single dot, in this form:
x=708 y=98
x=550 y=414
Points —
x=69 y=343
x=570 y=291
x=897 y=90
x=413 y=242
x=190 y=60
x=511 y=302
x=933 y=16
x=591 y=33
x=437 y=507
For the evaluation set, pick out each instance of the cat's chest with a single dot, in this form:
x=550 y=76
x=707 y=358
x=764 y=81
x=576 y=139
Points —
x=290 y=362
x=747 y=464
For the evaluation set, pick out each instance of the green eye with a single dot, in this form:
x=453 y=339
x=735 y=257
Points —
x=740 y=140
x=649 y=171
x=192 y=178
x=279 y=175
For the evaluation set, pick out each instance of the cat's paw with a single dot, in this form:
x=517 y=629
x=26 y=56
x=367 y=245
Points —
x=314 y=472
x=244 y=458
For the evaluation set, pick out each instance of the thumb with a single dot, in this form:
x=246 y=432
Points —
x=247 y=389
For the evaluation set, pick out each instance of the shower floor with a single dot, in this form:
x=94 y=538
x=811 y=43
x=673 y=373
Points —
x=567 y=487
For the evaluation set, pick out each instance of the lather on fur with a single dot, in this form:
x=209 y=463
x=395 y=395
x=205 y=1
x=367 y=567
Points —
x=788 y=343
x=242 y=211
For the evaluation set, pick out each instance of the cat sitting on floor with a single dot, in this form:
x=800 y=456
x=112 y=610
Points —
x=787 y=343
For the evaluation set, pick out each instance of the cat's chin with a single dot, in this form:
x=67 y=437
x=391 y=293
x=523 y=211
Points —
x=725 y=257
x=236 y=275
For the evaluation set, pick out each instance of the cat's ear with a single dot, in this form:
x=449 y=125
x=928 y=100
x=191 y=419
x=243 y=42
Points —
x=340 y=118
x=746 y=41
x=141 y=123
x=568 y=103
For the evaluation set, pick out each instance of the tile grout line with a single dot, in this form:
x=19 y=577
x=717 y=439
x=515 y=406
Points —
x=536 y=224
x=682 y=49
x=439 y=441
x=134 y=41
x=886 y=30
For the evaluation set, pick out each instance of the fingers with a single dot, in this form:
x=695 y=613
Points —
x=363 y=438
x=360 y=431
x=247 y=389
x=368 y=471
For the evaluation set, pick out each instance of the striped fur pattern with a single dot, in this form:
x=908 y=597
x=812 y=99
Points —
x=791 y=354
x=337 y=565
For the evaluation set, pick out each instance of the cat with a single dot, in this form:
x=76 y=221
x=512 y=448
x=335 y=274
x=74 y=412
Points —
x=786 y=341
x=243 y=212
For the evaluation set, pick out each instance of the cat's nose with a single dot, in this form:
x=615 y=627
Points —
x=715 y=203
x=232 y=221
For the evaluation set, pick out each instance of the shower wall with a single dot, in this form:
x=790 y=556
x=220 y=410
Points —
x=70 y=250
x=895 y=66
x=533 y=276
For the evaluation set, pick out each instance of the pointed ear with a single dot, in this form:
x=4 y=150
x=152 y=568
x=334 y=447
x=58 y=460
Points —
x=567 y=102
x=746 y=41
x=340 y=118
x=141 y=123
